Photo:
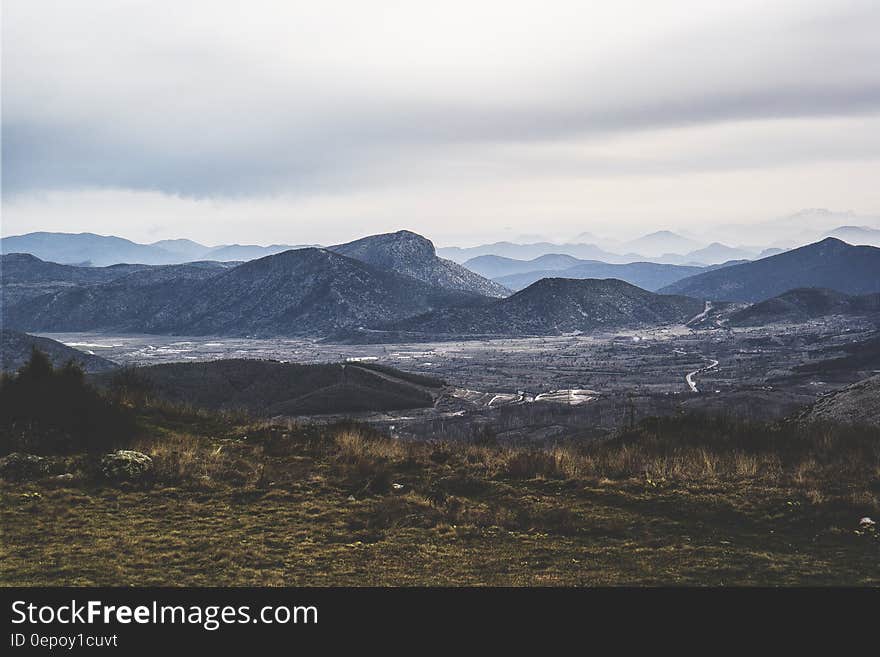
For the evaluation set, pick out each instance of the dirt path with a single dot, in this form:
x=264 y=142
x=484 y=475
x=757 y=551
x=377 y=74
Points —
x=692 y=384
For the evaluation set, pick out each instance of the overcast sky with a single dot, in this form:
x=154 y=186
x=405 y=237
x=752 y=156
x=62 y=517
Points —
x=301 y=122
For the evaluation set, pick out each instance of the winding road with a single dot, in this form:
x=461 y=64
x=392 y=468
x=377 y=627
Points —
x=690 y=377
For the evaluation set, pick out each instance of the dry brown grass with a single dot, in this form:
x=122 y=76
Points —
x=671 y=502
x=185 y=458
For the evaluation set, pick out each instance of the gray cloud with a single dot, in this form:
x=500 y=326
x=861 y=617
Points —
x=184 y=112
x=280 y=121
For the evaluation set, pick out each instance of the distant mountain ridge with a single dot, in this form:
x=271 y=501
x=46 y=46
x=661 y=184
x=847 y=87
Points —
x=530 y=251
x=661 y=242
x=103 y=250
x=831 y=264
x=519 y=274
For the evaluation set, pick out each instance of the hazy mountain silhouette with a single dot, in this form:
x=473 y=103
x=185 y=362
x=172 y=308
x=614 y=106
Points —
x=660 y=242
x=646 y=275
x=87 y=248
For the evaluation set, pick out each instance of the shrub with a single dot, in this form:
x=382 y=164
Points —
x=48 y=410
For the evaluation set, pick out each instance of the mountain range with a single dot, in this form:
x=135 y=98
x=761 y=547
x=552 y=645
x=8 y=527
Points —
x=694 y=248
x=396 y=282
x=518 y=274
x=298 y=292
x=103 y=250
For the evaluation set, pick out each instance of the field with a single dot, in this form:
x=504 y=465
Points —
x=680 y=501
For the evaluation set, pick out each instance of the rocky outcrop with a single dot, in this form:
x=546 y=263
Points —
x=126 y=465
x=410 y=254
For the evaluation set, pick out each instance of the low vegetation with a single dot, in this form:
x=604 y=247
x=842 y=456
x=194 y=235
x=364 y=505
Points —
x=49 y=410
x=681 y=500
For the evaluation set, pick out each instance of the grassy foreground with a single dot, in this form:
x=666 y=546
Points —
x=680 y=501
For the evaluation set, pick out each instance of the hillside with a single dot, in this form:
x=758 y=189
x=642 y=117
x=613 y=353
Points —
x=24 y=276
x=557 y=305
x=266 y=387
x=410 y=254
x=136 y=302
x=15 y=350
x=805 y=304
x=831 y=264
x=856 y=404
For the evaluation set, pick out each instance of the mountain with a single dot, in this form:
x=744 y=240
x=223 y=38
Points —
x=829 y=264
x=558 y=305
x=307 y=292
x=410 y=254
x=530 y=251
x=647 y=275
x=15 y=350
x=661 y=242
x=267 y=387
x=86 y=248
x=300 y=292
x=245 y=252
x=717 y=252
x=860 y=235
x=492 y=266
x=805 y=304
x=185 y=250
x=856 y=404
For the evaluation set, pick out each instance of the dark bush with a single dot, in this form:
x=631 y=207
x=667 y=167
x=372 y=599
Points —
x=48 y=410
